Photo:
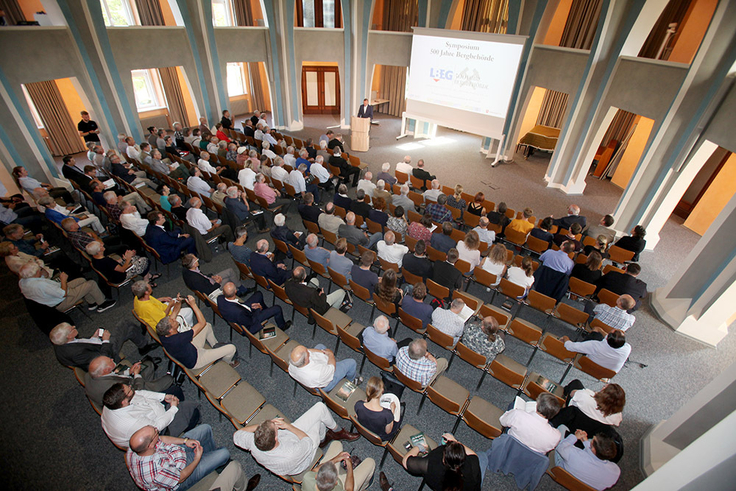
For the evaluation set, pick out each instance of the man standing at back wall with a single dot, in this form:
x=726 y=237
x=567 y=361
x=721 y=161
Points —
x=88 y=129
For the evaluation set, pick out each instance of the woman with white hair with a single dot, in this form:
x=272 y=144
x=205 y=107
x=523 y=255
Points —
x=120 y=271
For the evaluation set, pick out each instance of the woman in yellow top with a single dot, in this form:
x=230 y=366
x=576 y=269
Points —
x=151 y=310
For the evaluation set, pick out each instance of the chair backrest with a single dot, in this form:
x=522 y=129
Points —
x=386 y=265
x=411 y=322
x=602 y=325
x=312 y=227
x=524 y=331
x=367 y=434
x=470 y=356
x=471 y=220
x=340 y=211
x=373 y=227
x=580 y=287
x=510 y=289
x=515 y=237
x=593 y=369
x=463 y=266
x=324 y=322
x=571 y=315
x=471 y=301
x=351 y=341
x=329 y=237
x=300 y=256
x=409 y=383
x=280 y=245
x=507 y=371
x=435 y=255
x=388 y=308
x=610 y=267
x=280 y=292
x=501 y=317
x=401 y=177
x=440 y=338
x=318 y=268
x=536 y=245
x=541 y=302
x=608 y=297
x=452 y=401
x=484 y=277
x=416 y=182
x=552 y=345
x=410 y=278
x=360 y=291
x=244 y=270
x=261 y=280
x=437 y=290
x=411 y=242
x=379 y=361
x=337 y=278
x=414 y=216
x=620 y=255
x=567 y=480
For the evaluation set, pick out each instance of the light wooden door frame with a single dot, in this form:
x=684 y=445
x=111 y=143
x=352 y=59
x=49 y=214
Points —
x=321 y=107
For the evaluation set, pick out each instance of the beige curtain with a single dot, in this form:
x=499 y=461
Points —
x=174 y=96
x=400 y=15
x=150 y=12
x=55 y=116
x=13 y=12
x=579 y=33
x=485 y=16
x=256 y=86
x=552 y=111
x=619 y=127
x=393 y=88
x=243 y=13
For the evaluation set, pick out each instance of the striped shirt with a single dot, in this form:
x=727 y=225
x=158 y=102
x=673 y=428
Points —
x=421 y=370
x=613 y=316
x=160 y=471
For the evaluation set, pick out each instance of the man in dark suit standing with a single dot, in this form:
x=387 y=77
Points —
x=169 y=245
x=366 y=110
x=261 y=263
x=250 y=313
x=624 y=284
x=74 y=352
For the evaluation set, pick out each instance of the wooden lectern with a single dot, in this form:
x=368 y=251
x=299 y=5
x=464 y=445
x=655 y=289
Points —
x=359 y=129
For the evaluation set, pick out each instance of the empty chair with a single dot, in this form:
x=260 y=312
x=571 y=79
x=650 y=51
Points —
x=483 y=417
x=508 y=371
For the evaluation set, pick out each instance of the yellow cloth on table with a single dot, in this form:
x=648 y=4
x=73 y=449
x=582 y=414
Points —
x=541 y=137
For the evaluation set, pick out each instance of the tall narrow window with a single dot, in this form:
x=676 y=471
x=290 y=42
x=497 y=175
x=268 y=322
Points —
x=235 y=80
x=318 y=13
x=222 y=13
x=149 y=94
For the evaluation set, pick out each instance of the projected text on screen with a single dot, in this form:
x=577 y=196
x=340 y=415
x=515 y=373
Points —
x=466 y=74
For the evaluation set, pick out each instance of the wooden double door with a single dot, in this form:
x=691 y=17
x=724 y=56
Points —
x=320 y=90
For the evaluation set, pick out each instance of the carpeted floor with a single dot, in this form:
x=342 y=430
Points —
x=52 y=438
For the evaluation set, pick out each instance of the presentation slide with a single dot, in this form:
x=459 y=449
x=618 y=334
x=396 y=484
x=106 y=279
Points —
x=463 y=73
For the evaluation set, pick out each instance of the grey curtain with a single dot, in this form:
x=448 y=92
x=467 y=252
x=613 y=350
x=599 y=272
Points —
x=485 y=16
x=150 y=12
x=400 y=15
x=13 y=12
x=256 y=86
x=579 y=33
x=243 y=13
x=61 y=129
x=174 y=95
x=393 y=88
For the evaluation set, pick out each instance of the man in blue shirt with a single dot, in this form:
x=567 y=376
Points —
x=414 y=305
x=591 y=465
x=315 y=253
x=338 y=262
x=559 y=260
x=240 y=252
x=377 y=340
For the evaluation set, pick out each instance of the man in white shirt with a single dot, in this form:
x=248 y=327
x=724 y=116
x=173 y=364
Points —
x=432 y=194
x=289 y=158
x=199 y=185
x=296 y=179
x=208 y=228
x=127 y=411
x=405 y=166
x=204 y=163
x=533 y=429
x=258 y=133
x=449 y=321
x=366 y=185
x=389 y=251
x=610 y=352
x=318 y=170
x=288 y=449
x=318 y=369
x=247 y=177
x=267 y=137
x=212 y=146
x=131 y=220
x=485 y=235
x=278 y=172
x=132 y=150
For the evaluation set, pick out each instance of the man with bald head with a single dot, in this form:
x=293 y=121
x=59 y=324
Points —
x=573 y=216
x=420 y=173
x=262 y=264
x=616 y=317
x=250 y=313
x=315 y=253
x=104 y=373
x=389 y=250
x=319 y=369
x=166 y=462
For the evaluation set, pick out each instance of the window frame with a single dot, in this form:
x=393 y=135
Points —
x=155 y=88
x=243 y=79
x=229 y=13
x=130 y=13
x=318 y=14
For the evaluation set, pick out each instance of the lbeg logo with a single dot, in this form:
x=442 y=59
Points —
x=438 y=74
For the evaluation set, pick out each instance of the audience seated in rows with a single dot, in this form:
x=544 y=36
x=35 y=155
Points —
x=250 y=313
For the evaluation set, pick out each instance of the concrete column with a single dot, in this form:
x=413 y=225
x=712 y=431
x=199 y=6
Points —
x=362 y=77
x=698 y=301
x=197 y=17
x=567 y=169
x=694 y=448
x=352 y=23
x=110 y=105
x=668 y=164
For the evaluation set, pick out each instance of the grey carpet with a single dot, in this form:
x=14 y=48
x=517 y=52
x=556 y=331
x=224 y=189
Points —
x=52 y=437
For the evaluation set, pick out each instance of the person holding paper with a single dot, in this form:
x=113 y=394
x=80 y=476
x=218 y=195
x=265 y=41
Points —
x=533 y=428
x=380 y=413
x=366 y=110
